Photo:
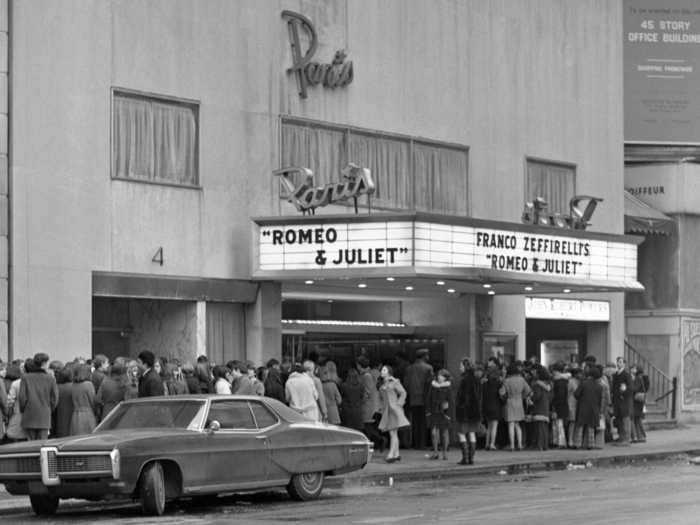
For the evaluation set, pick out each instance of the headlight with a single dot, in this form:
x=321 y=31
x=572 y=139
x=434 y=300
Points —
x=115 y=457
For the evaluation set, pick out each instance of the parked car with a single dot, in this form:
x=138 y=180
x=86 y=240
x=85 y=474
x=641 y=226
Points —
x=161 y=448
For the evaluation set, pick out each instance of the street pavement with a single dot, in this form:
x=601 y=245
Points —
x=416 y=466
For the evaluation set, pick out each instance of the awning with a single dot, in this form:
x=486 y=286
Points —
x=642 y=218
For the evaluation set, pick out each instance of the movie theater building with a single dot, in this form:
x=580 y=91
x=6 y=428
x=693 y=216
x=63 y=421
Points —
x=261 y=179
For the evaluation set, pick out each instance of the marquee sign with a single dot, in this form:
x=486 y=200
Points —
x=570 y=309
x=426 y=245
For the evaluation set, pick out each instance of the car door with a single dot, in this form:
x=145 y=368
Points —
x=239 y=454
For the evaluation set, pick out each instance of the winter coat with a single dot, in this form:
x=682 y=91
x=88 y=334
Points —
x=64 y=411
x=352 y=392
x=151 y=384
x=243 y=386
x=560 y=396
x=541 y=400
x=302 y=396
x=14 y=423
x=83 y=420
x=3 y=408
x=112 y=391
x=370 y=398
x=323 y=409
x=572 y=401
x=467 y=400
x=192 y=383
x=274 y=387
x=491 y=400
x=38 y=396
x=589 y=395
x=622 y=396
x=222 y=386
x=392 y=396
x=638 y=385
x=331 y=393
x=516 y=390
x=418 y=377
x=438 y=404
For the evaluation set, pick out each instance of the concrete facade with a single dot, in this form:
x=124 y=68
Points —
x=510 y=80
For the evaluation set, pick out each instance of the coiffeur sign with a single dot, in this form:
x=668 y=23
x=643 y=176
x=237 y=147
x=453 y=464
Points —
x=424 y=245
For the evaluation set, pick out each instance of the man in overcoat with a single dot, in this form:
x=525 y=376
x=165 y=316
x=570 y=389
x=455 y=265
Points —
x=150 y=383
x=418 y=378
x=38 y=397
x=622 y=401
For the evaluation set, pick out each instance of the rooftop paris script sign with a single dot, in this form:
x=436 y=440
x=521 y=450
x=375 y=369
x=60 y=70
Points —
x=338 y=73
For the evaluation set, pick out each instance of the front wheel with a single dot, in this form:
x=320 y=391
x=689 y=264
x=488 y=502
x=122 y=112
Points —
x=152 y=490
x=44 y=504
x=304 y=487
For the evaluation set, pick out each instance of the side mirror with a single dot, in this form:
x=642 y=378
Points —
x=214 y=426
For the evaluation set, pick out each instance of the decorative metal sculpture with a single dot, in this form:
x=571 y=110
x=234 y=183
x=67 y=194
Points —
x=535 y=212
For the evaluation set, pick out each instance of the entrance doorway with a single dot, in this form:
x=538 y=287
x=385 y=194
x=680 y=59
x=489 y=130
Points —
x=551 y=341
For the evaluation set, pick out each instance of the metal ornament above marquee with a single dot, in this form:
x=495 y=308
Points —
x=424 y=244
x=338 y=73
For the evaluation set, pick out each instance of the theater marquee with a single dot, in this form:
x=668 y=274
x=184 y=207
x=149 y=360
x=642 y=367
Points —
x=423 y=244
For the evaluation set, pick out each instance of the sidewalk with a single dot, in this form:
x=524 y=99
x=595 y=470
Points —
x=682 y=442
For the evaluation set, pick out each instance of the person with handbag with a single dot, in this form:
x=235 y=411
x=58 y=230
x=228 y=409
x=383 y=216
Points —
x=640 y=387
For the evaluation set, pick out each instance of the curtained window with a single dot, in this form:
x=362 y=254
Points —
x=409 y=174
x=154 y=140
x=554 y=182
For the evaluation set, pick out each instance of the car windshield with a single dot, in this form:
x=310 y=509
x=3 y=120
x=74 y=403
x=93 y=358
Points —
x=182 y=414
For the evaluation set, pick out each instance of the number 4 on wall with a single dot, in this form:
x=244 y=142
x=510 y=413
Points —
x=158 y=257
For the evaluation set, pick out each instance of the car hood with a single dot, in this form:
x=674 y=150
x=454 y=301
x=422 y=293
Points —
x=106 y=440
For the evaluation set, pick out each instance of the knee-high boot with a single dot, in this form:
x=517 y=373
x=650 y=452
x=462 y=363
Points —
x=472 y=451
x=464 y=460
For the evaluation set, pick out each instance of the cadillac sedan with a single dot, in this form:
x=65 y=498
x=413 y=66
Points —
x=162 y=448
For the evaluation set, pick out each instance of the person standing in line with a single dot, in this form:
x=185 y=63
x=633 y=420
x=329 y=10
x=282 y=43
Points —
x=112 y=391
x=370 y=404
x=604 y=408
x=64 y=409
x=222 y=380
x=574 y=382
x=83 y=420
x=301 y=393
x=622 y=401
x=150 y=383
x=203 y=374
x=192 y=382
x=310 y=370
x=560 y=404
x=418 y=378
x=438 y=404
x=100 y=369
x=14 y=431
x=492 y=404
x=331 y=392
x=640 y=387
x=590 y=400
x=351 y=410
x=274 y=386
x=133 y=378
x=468 y=413
x=38 y=397
x=541 y=406
x=515 y=391
x=392 y=399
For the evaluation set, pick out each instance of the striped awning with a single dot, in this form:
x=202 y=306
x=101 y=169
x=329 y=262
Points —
x=645 y=219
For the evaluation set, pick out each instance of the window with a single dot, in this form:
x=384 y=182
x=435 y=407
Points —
x=409 y=173
x=154 y=139
x=232 y=415
x=554 y=182
x=263 y=417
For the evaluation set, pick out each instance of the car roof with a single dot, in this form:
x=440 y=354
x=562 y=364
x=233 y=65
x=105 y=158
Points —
x=192 y=397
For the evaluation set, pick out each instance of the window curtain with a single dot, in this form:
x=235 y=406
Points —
x=440 y=176
x=225 y=332
x=320 y=149
x=154 y=141
x=389 y=161
x=553 y=182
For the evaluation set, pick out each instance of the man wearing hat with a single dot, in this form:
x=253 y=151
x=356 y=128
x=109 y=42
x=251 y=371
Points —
x=418 y=377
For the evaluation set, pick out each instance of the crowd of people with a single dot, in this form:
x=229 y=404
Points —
x=397 y=404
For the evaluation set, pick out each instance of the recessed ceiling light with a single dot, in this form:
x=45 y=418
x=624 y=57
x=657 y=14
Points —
x=491 y=292
x=309 y=282
x=486 y=286
x=362 y=285
x=440 y=283
x=389 y=278
x=330 y=300
x=566 y=290
x=528 y=288
x=451 y=290
x=409 y=288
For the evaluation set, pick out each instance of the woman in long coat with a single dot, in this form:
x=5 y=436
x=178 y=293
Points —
x=468 y=411
x=515 y=391
x=492 y=404
x=438 y=404
x=640 y=385
x=112 y=391
x=590 y=399
x=83 y=394
x=329 y=383
x=63 y=414
x=352 y=392
x=392 y=396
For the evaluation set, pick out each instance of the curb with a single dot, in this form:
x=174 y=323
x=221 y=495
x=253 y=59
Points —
x=526 y=467
x=389 y=478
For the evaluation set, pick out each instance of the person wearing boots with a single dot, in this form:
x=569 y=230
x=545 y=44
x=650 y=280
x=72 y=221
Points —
x=467 y=412
x=438 y=404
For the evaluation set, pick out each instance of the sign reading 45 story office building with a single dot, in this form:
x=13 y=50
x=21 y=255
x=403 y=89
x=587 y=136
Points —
x=662 y=76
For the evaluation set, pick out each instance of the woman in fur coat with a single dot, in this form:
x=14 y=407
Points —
x=438 y=405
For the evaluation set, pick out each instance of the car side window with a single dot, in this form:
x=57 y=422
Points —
x=263 y=417
x=232 y=415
